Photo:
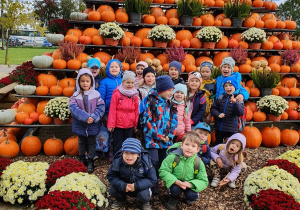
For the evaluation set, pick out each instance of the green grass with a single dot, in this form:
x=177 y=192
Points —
x=18 y=55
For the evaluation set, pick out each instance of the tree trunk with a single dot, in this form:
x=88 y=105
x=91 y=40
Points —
x=6 y=53
x=2 y=28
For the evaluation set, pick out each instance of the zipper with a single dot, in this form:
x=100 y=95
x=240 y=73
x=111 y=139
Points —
x=184 y=169
x=224 y=113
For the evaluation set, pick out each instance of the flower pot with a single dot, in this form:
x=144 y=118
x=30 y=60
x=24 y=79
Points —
x=265 y=91
x=58 y=121
x=271 y=117
x=135 y=18
x=209 y=45
x=255 y=46
x=110 y=42
x=160 y=44
x=186 y=20
x=236 y=22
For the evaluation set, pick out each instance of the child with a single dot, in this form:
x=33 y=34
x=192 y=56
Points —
x=160 y=122
x=203 y=130
x=124 y=111
x=174 y=72
x=94 y=65
x=196 y=101
x=227 y=67
x=209 y=86
x=183 y=117
x=226 y=109
x=131 y=173
x=87 y=108
x=140 y=66
x=178 y=170
x=228 y=157
x=110 y=83
x=148 y=82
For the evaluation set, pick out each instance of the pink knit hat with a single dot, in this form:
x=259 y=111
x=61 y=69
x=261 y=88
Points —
x=142 y=63
x=195 y=75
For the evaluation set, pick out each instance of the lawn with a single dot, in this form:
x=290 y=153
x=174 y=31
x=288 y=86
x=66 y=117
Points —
x=17 y=55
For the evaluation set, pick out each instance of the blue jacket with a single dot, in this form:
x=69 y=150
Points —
x=109 y=84
x=204 y=153
x=142 y=173
x=95 y=109
x=241 y=90
x=98 y=80
x=232 y=112
x=199 y=106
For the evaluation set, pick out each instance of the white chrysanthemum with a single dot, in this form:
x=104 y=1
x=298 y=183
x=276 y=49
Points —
x=111 y=30
x=292 y=156
x=254 y=35
x=162 y=33
x=209 y=34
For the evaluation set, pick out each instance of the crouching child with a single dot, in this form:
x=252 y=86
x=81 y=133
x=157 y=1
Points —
x=131 y=173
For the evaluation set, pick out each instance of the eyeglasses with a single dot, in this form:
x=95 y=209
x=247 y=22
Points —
x=196 y=74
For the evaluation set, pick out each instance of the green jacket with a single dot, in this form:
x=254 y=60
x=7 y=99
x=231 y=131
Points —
x=184 y=171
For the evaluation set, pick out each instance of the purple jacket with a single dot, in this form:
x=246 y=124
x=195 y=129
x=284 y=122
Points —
x=95 y=107
x=235 y=171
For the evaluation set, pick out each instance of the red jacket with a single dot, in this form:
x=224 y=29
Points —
x=123 y=111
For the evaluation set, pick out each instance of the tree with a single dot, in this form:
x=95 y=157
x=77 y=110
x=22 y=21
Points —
x=46 y=10
x=2 y=29
x=68 y=6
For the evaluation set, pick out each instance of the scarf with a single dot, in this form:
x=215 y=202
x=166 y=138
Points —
x=176 y=102
x=128 y=93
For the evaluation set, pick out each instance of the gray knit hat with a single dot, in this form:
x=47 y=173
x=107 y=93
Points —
x=230 y=61
x=128 y=75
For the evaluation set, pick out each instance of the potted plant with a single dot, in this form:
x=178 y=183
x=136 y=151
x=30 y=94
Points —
x=237 y=11
x=209 y=36
x=111 y=33
x=161 y=35
x=58 y=108
x=136 y=8
x=254 y=37
x=187 y=9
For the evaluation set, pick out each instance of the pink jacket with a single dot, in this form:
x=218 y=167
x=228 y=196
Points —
x=184 y=124
x=123 y=111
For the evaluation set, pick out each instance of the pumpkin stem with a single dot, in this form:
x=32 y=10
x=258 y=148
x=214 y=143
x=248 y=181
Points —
x=251 y=124
x=94 y=9
x=31 y=133
x=292 y=128
x=54 y=137
x=6 y=142
x=68 y=84
x=272 y=126
x=57 y=83
x=41 y=83
x=295 y=85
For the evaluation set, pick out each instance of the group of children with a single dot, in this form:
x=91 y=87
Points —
x=171 y=116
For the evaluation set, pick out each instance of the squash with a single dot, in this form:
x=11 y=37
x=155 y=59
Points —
x=9 y=149
x=31 y=145
x=55 y=38
x=42 y=61
x=78 y=16
x=289 y=137
x=53 y=147
x=6 y=116
x=25 y=89
x=71 y=146
x=253 y=136
x=270 y=136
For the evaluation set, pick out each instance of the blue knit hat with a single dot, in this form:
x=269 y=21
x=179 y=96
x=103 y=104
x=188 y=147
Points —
x=231 y=80
x=132 y=145
x=230 y=61
x=164 y=83
x=203 y=126
x=208 y=64
x=94 y=62
x=177 y=65
x=180 y=87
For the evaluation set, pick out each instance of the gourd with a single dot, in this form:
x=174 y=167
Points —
x=289 y=137
x=25 y=89
x=31 y=145
x=53 y=147
x=9 y=149
x=270 y=136
x=42 y=61
x=71 y=146
x=6 y=116
x=55 y=38
x=78 y=16
x=253 y=136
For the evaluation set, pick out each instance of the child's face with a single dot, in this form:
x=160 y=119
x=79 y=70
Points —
x=203 y=134
x=234 y=146
x=173 y=72
x=194 y=84
x=166 y=94
x=139 y=71
x=85 y=82
x=179 y=96
x=128 y=84
x=149 y=79
x=130 y=157
x=226 y=70
x=205 y=72
x=229 y=88
x=95 y=71
x=114 y=69
x=189 y=148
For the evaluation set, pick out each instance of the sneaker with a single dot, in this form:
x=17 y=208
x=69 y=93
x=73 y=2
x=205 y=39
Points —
x=232 y=185
x=96 y=157
x=215 y=182
x=155 y=190
x=117 y=204
x=146 y=206
x=189 y=202
x=172 y=202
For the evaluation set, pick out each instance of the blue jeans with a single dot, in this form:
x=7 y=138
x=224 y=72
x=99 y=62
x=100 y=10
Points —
x=189 y=194
x=142 y=196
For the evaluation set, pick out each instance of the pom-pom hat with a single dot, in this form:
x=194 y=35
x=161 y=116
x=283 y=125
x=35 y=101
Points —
x=132 y=145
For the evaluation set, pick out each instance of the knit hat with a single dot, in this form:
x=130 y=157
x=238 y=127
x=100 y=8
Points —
x=203 y=126
x=147 y=70
x=231 y=80
x=208 y=64
x=132 y=145
x=180 y=87
x=128 y=75
x=164 y=83
x=142 y=63
x=177 y=65
x=195 y=75
x=94 y=62
x=230 y=61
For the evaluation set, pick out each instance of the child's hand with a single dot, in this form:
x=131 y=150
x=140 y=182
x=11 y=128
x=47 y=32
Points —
x=219 y=162
x=222 y=115
x=239 y=98
x=90 y=120
x=128 y=188
x=165 y=139
x=180 y=184
x=187 y=184
x=223 y=182
x=110 y=129
x=135 y=130
x=131 y=187
x=233 y=99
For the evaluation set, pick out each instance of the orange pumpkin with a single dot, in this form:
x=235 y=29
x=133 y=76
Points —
x=267 y=45
x=142 y=33
x=34 y=116
x=42 y=90
x=48 y=80
x=232 y=43
x=249 y=114
x=149 y=19
x=68 y=91
x=284 y=116
x=125 y=41
x=41 y=107
x=96 y=40
x=71 y=38
x=219 y=58
x=292 y=105
x=74 y=64
x=94 y=15
x=122 y=16
x=9 y=149
x=26 y=107
x=103 y=56
x=75 y=31
x=56 y=90
x=293 y=114
x=71 y=146
x=136 y=41
x=252 y=106
x=253 y=136
x=184 y=34
x=289 y=81
x=207 y=19
x=254 y=92
x=8 y=136
x=85 y=39
x=289 y=137
x=91 y=32
x=245 y=68
x=31 y=145
x=156 y=12
x=44 y=119
x=284 y=90
x=223 y=43
x=53 y=147
x=259 y=116
x=270 y=136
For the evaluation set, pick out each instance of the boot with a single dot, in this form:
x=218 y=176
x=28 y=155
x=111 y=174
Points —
x=172 y=202
x=83 y=159
x=90 y=165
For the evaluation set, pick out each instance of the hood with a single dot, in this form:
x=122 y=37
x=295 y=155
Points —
x=175 y=148
x=238 y=136
x=81 y=72
x=108 y=75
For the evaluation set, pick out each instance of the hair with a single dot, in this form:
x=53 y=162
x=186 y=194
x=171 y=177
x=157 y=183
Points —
x=193 y=137
x=188 y=97
x=239 y=153
x=81 y=90
x=184 y=101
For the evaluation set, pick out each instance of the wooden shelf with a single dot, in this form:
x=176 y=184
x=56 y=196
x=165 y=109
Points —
x=36 y=96
x=53 y=69
x=272 y=122
x=286 y=97
x=35 y=126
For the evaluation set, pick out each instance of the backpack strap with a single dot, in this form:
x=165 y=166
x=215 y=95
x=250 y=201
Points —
x=197 y=162
x=175 y=162
x=204 y=148
x=221 y=147
x=140 y=95
x=152 y=103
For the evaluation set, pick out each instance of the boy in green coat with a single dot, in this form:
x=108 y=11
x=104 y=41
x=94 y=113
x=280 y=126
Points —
x=183 y=171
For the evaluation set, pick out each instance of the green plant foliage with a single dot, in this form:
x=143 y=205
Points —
x=216 y=72
x=137 y=6
x=236 y=9
x=265 y=79
x=190 y=7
